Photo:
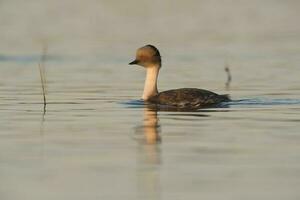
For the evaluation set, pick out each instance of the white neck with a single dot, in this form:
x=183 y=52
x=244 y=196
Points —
x=150 y=88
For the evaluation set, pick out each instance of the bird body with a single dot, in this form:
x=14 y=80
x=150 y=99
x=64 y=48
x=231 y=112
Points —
x=188 y=98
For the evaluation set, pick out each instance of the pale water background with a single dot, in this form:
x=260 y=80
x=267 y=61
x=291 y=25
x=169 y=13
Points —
x=97 y=142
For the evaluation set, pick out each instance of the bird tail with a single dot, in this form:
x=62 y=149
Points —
x=225 y=97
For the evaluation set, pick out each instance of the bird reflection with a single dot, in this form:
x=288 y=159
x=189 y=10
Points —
x=149 y=156
x=151 y=126
x=148 y=136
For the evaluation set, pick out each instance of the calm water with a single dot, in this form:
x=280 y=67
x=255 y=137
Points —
x=97 y=141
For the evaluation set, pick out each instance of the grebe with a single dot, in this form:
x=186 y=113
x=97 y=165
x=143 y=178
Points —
x=149 y=57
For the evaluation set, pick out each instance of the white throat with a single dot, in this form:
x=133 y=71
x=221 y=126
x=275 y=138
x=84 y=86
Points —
x=150 y=88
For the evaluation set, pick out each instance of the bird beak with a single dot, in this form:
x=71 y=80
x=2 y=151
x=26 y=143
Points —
x=134 y=62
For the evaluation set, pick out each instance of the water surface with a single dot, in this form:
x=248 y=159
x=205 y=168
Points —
x=97 y=141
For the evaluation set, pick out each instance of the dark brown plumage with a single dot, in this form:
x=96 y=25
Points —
x=188 y=98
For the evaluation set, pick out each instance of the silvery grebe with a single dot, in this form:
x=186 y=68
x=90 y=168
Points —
x=149 y=57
